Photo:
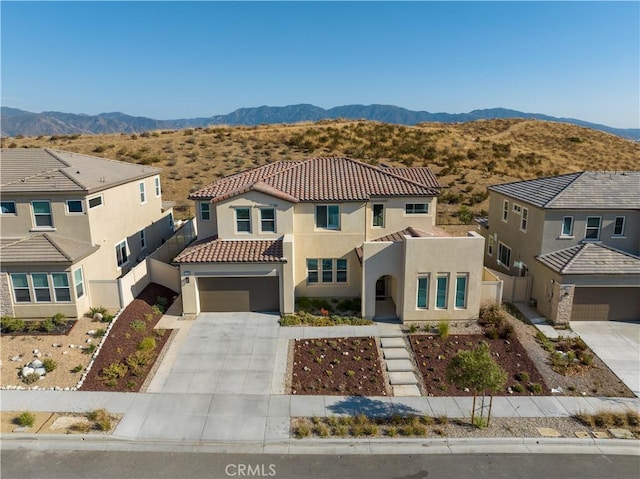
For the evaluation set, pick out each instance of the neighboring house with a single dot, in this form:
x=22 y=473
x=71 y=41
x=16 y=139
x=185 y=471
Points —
x=69 y=222
x=332 y=228
x=577 y=236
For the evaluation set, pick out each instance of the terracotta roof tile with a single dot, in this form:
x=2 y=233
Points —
x=215 y=250
x=324 y=179
x=591 y=258
x=414 y=233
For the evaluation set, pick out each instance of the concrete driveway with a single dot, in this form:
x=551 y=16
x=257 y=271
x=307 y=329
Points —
x=226 y=353
x=617 y=343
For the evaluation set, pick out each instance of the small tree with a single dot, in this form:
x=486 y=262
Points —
x=478 y=371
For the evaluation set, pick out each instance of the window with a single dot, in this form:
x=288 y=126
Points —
x=8 y=207
x=74 y=206
x=461 y=291
x=524 y=219
x=268 y=220
x=40 y=283
x=21 y=291
x=172 y=225
x=378 y=215
x=423 y=292
x=567 y=226
x=312 y=271
x=442 y=284
x=327 y=270
x=96 y=201
x=618 y=226
x=42 y=214
x=143 y=240
x=205 y=211
x=416 y=208
x=505 y=210
x=517 y=208
x=593 y=228
x=328 y=217
x=121 y=253
x=504 y=254
x=243 y=220
x=156 y=182
x=490 y=245
x=78 y=282
x=341 y=271
x=143 y=195
x=61 y=287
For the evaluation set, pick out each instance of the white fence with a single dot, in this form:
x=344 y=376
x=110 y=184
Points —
x=491 y=289
x=516 y=289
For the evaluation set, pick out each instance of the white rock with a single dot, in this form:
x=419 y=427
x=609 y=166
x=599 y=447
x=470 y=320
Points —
x=39 y=355
x=55 y=345
x=66 y=388
x=97 y=316
x=72 y=346
x=41 y=372
x=557 y=390
x=88 y=340
x=26 y=371
x=91 y=333
x=35 y=351
x=65 y=352
x=36 y=363
x=16 y=358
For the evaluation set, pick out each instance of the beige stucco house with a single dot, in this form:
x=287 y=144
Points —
x=332 y=228
x=576 y=236
x=70 y=222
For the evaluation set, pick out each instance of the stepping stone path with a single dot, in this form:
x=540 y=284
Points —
x=399 y=367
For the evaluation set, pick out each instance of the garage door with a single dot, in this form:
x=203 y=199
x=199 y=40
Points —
x=239 y=294
x=602 y=304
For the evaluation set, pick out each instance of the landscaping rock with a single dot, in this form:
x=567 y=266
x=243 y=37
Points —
x=35 y=364
x=26 y=371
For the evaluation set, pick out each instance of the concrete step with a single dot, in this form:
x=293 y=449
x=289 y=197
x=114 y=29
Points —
x=402 y=378
x=389 y=332
x=399 y=365
x=397 y=342
x=406 y=390
x=395 y=353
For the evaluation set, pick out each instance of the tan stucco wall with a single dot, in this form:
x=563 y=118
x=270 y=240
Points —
x=206 y=228
x=380 y=259
x=395 y=218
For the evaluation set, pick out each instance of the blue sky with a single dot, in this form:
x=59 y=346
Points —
x=170 y=60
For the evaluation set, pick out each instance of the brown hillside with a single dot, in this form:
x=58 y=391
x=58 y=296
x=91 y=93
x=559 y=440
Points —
x=467 y=157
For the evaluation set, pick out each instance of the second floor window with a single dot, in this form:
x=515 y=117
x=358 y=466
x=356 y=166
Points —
x=243 y=220
x=504 y=255
x=328 y=217
x=156 y=182
x=205 y=211
x=74 y=206
x=567 y=226
x=378 y=215
x=505 y=210
x=143 y=240
x=268 y=220
x=95 y=201
x=8 y=208
x=122 y=254
x=490 y=244
x=42 y=214
x=618 y=226
x=524 y=220
x=592 y=231
x=143 y=195
x=416 y=208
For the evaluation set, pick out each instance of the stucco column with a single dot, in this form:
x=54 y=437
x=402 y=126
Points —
x=287 y=295
x=6 y=303
x=562 y=303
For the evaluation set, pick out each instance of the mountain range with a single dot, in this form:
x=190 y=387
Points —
x=14 y=122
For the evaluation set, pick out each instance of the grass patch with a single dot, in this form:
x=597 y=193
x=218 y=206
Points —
x=26 y=419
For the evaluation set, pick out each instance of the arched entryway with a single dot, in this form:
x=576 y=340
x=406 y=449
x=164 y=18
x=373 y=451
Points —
x=386 y=294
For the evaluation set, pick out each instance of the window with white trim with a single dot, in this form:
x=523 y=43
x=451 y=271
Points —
x=61 y=287
x=74 y=207
x=341 y=270
x=490 y=245
x=41 y=289
x=618 y=226
x=422 y=299
x=327 y=270
x=416 y=208
x=378 y=215
x=8 y=208
x=268 y=220
x=122 y=252
x=312 y=270
x=328 y=217
x=524 y=219
x=21 y=292
x=205 y=211
x=592 y=230
x=462 y=280
x=504 y=255
x=156 y=182
x=243 y=220
x=505 y=210
x=78 y=282
x=567 y=226
x=517 y=208
x=143 y=240
x=42 y=217
x=95 y=201
x=143 y=194
x=442 y=287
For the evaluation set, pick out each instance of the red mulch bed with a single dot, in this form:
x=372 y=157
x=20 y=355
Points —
x=337 y=366
x=432 y=354
x=123 y=341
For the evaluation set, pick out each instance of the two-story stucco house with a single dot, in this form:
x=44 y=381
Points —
x=578 y=237
x=332 y=228
x=70 y=221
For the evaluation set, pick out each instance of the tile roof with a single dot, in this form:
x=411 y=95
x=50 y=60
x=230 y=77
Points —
x=324 y=179
x=43 y=248
x=27 y=170
x=414 y=233
x=591 y=258
x=585 y=190
x=215 y=250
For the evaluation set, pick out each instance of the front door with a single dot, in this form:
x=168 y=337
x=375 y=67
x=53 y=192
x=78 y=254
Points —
x=381 y=288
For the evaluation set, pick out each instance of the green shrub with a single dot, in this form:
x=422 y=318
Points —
x=31 y=378
x=77 y=368
x=392 y=431
x=107 y=318
x=138 y=361
x=138 y=325
x=26 y=419
x=413 y=327
x=59 y=319
x=522 y=376
x=157 y=310
x=322 y=430
x=47 y=325
x=147 y=344
x=49 y=364
x=517 y=387
x=101 y=418
x=535 y=388
x=90 y=349
x=99 y=333
x=443 y=329
x=302 y=430
x=114 y=371
x=11 y=325
x=491 y=315
x=96 y=309
x=162 y=301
